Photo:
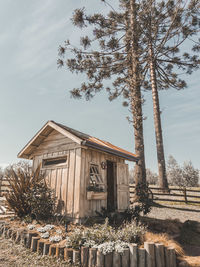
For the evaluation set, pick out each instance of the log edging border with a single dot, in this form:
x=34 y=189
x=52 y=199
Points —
x=152 y=255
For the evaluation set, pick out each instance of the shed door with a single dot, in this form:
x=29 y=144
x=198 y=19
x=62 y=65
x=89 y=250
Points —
x=123 y=195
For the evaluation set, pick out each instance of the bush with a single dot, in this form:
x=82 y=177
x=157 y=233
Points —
x=105 y=237
x=29 y=195
x=142 y=203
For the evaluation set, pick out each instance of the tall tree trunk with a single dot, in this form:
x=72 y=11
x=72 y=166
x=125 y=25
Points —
x=157 y=123
x=136 y=98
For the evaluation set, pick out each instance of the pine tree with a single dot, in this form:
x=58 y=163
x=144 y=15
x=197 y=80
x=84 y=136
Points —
x=142 y=46
x=167 y=26
x=113 y=51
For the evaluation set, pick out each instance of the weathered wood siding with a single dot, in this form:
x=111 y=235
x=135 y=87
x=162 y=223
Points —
x=70 y=180
x=88 y=156
x=64 y=179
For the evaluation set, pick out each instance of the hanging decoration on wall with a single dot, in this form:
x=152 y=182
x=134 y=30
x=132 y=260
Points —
x=103 y=165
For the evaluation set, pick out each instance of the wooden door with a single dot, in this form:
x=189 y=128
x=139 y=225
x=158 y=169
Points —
x=123 y=194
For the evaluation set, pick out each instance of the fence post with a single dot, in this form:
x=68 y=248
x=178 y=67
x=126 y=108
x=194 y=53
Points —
x=150 y=254
x=84 y=256
x=142 y=257
x=160 y=260
x=185 y=195
x=133 y=255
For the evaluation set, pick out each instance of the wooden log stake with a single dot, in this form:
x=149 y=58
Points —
x=142 y=257
x=117 y=259
x=172 y=257
x=34 y=242
x=159 y=252
x=133 y=255
x=126 y=257
x=14 y=234
x=60 y=252
x=46 y=248
x=23 y=238
x=68 y=254
x=9 y=233
x=167 y=263
x=40 y=246
x=84 y=256
x=100 y=259
x=30 y=235
x=76 y=257
x=5 y=230
x=150 y=254
x=92 y=257
x=52 y=250
x=18 y=236
x=109 y=260
x=1 y=228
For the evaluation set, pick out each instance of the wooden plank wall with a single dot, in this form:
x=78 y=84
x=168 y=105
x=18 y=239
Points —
x=64 y=179
x=88 y=156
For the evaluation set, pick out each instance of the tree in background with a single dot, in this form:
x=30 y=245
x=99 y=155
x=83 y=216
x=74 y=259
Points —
x=185 y=176
x=151 y=177
x=112 y=51
x=167 y=26
x=24 y=165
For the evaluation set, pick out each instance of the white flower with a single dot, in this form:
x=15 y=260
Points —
x=55 y=238
x=90 y=244
x=31 y=226
x=41 y=230
x=59 y=232
x=107 y=247
x=49 y=227
x=45 y=235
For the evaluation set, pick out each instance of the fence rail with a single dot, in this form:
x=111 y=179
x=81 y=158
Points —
x=188 y=194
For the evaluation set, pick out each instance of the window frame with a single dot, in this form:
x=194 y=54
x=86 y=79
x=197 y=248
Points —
x=95 y=173
x=54 y=165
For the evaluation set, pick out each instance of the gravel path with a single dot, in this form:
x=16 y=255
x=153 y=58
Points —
x=180 y=212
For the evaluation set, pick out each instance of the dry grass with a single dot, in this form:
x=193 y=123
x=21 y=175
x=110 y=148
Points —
x=165 y=240
x=13 y=255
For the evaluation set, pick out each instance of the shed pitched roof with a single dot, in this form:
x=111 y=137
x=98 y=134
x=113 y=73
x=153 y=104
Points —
x=78 y=137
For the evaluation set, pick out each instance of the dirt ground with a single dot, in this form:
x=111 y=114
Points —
x=179 y=212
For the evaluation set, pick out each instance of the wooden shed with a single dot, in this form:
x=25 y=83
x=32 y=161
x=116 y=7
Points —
x=86 y=172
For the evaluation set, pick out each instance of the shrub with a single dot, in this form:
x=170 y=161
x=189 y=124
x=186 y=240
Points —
x=143 y=201
x=105 y=237
x=29 y=195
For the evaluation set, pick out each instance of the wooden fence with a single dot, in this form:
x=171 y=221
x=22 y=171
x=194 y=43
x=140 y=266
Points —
x=175 y=194
x=150 y=256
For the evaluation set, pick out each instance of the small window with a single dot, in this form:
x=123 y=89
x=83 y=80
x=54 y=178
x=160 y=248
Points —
x=95 y=177
x=54 y=161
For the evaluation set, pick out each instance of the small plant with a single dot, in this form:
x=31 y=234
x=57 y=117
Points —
x=49 y=227
x=55 y=239
x=30 y=196
x=95 y=188
x=41 y=229
x=31 y=226
x=142 y=203
x=45 y=235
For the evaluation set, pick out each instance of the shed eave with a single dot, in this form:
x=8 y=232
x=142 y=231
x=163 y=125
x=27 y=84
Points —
x=110 y=151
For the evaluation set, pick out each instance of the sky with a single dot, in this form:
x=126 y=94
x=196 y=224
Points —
x=33 y=90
